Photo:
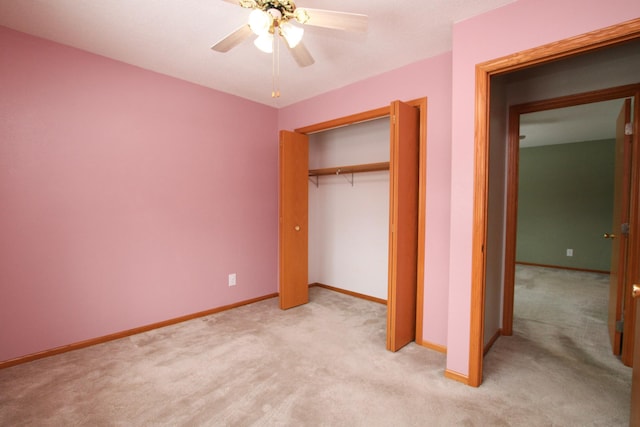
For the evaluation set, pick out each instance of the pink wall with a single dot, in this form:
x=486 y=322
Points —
x=518 y=26
x=126 y=197
x=430 y=78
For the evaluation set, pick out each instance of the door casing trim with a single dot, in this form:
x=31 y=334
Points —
x=561 y=49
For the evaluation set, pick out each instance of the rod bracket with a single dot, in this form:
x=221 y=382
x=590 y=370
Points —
x=346 y=176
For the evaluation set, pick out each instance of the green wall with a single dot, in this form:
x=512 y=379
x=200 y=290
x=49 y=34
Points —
x=565 y=200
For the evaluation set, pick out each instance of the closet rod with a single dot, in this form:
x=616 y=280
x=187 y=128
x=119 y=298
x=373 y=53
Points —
x=369 y=167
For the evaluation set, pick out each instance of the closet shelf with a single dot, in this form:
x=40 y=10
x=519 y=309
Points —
x=347 y=170
x=369 y=167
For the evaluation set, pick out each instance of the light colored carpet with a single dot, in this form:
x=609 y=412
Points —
x=325 y=364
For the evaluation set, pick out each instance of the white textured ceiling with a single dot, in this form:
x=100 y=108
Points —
x=174 y=37
x=587 y=122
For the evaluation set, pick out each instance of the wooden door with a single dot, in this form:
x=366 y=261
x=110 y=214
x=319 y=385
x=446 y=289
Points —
x=618 y=236
x=632 y=314
x=403 y=225
x=293 y=213
x=635 y=376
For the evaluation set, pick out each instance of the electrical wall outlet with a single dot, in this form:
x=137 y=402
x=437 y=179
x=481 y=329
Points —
x=569 y=252
x=232 y=279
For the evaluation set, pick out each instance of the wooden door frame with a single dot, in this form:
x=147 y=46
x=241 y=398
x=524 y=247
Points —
x=378 y=113
x=635 y=374
x=562 y=49
x=619 y=92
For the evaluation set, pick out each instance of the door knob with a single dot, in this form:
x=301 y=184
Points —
x=636 y=291
x=297 y=228
x=609 y=236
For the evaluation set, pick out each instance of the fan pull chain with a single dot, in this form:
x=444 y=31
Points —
x=275 y=92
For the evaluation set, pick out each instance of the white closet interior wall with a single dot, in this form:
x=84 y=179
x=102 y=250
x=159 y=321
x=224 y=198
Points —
x=349 y=224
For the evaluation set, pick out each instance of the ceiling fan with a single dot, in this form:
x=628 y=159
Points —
x=271 y=19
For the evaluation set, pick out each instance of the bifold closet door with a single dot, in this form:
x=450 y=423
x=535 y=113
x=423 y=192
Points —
x=293 y=205
x=403 y=225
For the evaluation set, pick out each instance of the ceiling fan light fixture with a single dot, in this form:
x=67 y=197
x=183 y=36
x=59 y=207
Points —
x=291 y=33
x=301 y=15
x=260 y=22
x=264 y=42
x=271 y=19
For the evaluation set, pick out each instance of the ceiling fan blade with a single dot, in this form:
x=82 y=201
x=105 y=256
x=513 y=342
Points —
x=234 y=39
x=301 y=55
x=337 y=20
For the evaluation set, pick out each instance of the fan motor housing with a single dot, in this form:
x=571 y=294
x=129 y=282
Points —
x=286 y=7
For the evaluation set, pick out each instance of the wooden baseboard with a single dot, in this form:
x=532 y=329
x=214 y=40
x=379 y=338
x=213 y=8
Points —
x=533 y=264
x=351 y=293
x=492 y=341
x=456 y=376
x=431 y=346
x=127 y=333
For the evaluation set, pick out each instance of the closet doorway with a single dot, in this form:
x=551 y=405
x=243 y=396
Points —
x=406 y=214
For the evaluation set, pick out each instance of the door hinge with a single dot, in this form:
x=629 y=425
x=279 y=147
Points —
x=620 y=326
x=628 y=129
x=624 y=229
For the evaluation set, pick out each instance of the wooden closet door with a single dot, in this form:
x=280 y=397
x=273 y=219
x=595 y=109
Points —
x=293 y=212
x=403 y=225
